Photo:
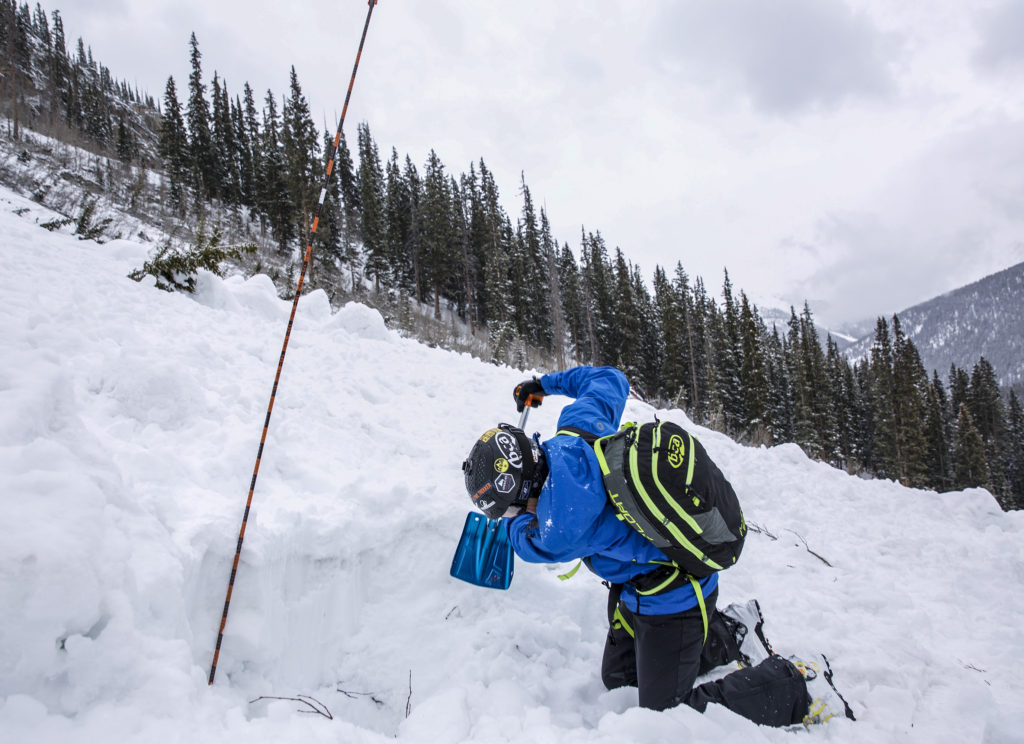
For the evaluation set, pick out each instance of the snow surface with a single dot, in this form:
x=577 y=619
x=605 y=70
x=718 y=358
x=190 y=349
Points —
x=129 y=423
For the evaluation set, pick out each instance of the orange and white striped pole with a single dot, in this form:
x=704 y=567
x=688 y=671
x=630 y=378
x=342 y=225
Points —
x=284 y=348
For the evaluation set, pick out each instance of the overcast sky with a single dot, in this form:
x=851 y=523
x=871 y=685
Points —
x=862 y=154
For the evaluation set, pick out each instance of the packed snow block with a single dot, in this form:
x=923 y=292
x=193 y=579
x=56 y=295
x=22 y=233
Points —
x=314 y=306
x=256 y=296
x=361 y=321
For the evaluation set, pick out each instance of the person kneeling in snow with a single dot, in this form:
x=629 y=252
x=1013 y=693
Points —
x=659 y=642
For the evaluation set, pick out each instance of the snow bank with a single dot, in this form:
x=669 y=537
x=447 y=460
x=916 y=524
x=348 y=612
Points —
x=129 y=424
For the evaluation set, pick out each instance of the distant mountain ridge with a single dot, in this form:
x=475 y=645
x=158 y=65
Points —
x=982 y=319
x=780 y=319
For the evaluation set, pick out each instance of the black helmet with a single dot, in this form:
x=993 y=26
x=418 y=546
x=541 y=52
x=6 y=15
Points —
x=504 y=468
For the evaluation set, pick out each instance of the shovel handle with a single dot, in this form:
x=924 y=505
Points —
x=526 y=412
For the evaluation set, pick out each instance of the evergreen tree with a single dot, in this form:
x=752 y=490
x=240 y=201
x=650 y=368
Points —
x=598 y=281
x=225 y=149
x=701 y=315
x=462 y=207
x=487 y=242
x=624 y=338
x=937 y=436
x=438 y=228
x=274 y=199
x=573 y=303
x=476 y=238
x=371 y=199
x=730 y=360
x=959 y=382
x=251 y=162
x=910 y=383
x=673 y=348
x=693 y=347
x=328 y=234
x=780 y=397
x=350 y=209
x=15 y=30
x=556 y=311
x=58 y=69
x=415 y=248
x=812 y=423
x=884 y=424
x=649 y=339
x=753 y=373
x=398 y=218
x=841 y=405
x=348 y=182
x=73 y=116
x=851 y=418
x=864 y=421
x=173 y=145
x=1015 y=454
x=534 y=307
x=501 y=331
x=126 y=145
x=716 y=388
x=301 y=150
x=518 y=274
x=969 y=467
x=204 y=158
x=821 y=403
x=985 y=402
x=989 y=415
x=242 y=174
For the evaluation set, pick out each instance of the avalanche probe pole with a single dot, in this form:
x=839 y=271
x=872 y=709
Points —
x=284 y=348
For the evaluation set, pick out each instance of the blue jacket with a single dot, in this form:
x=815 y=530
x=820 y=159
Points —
x=574 y=517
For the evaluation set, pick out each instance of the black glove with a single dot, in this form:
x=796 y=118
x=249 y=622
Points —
x=528 y=393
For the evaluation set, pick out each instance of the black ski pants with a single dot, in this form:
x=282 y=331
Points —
x=668 y=652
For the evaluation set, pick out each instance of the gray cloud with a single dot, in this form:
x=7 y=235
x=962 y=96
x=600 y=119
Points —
x=951 y=216
x=787 y=56
x=1002 y=37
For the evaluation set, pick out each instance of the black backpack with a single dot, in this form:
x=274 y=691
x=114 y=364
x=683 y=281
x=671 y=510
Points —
x=665 y=486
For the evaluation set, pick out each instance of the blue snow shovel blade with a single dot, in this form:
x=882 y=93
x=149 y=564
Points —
x=484 y=554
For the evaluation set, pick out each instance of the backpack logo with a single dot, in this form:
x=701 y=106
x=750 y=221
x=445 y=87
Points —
x=676 y=451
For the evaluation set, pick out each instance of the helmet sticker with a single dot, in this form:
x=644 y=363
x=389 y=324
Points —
x=483 y=489
x=488 y=434
x=508 y=447
x=504 y=483
x=501 y=465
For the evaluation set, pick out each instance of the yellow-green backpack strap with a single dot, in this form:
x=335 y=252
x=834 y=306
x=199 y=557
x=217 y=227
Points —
x=619 y=621
x=571 y=572
x=703 y=609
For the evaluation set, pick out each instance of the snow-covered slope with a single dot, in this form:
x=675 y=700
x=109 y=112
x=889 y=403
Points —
x=129 y=422
x=982 y=319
